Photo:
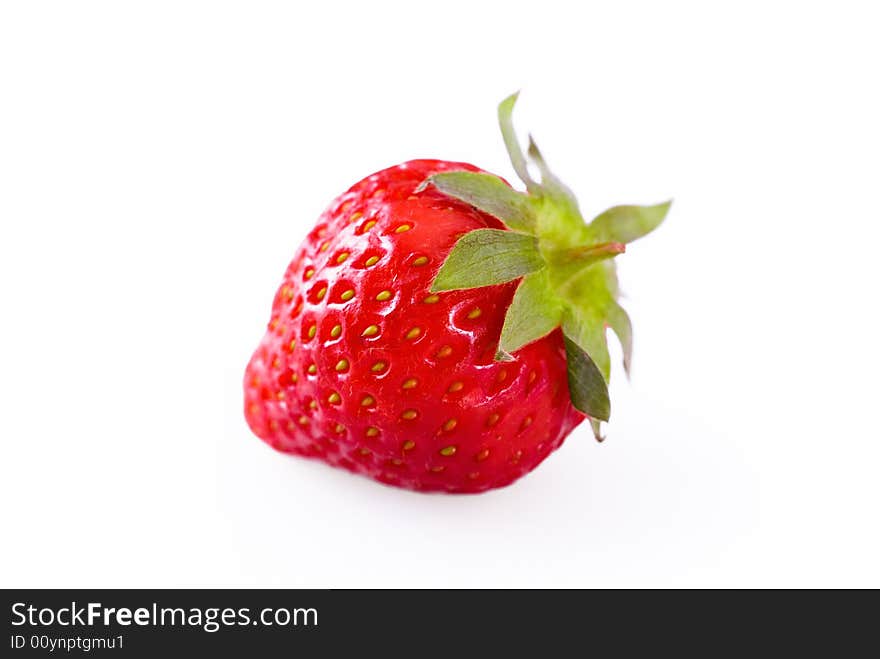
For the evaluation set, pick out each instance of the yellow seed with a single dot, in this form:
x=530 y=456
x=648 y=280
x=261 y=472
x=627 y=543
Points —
x=422 y=260
x=339 y=429
x=356 y=216
x=342 y=365
x=450 y=425
x=437 y=470
x=368 y=225
x=312 y=369
x=273 y=424
x=303 y=420
x=532 y=377
x=409 y=414
x=334 y=398
x=336 y=331
x=364 y=452
x=410 y=384
x=482 y=455
x=502 y=375
x=378 y=367
x=276 y=363
x=384 y=295
x=413 y=333
x=347 y=295
x=492 y=420
x=431 y=299
x=313 y=404
x=366 y=401
x=373 y=260
x=378 y=193
x=397 y=462
x=280 y=395
x=325 y=247
x=402 y=228
x=372 y=330
x=313 y=329
x=372 y=431
x=447 y=451
x=526 y=423
x=294 y=378
x=322 y=293
x=476 y=312
x=445 y=351
x=309 y=273
x=342 y=257
x=455 y=386
x=409 y=445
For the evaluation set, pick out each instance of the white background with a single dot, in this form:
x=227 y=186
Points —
x=160 y=161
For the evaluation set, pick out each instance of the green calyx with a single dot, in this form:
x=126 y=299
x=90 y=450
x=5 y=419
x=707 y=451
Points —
x=565 y=265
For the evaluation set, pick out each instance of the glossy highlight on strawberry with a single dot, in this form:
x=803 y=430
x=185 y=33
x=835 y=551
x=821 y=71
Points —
x=439 y=331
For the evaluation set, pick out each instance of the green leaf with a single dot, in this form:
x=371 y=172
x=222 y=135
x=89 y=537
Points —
x=488 y=193
x=588 y=389
x=618 y=320
x=597 y=430
x=534 y=312
x=550 y=183
x=548 y=178
x=625 y=224
x=486 y=257
x=501 y=356
x=517 y=159
x=586 y=327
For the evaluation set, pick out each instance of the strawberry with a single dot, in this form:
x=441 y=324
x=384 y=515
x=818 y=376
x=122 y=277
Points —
x=440 y=331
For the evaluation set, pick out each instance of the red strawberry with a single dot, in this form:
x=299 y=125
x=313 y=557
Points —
x=438 y=330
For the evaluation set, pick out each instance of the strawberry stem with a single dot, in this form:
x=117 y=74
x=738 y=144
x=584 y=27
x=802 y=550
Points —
x=569 y=277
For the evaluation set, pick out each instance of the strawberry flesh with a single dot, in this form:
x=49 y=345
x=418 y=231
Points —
x=366 y=369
